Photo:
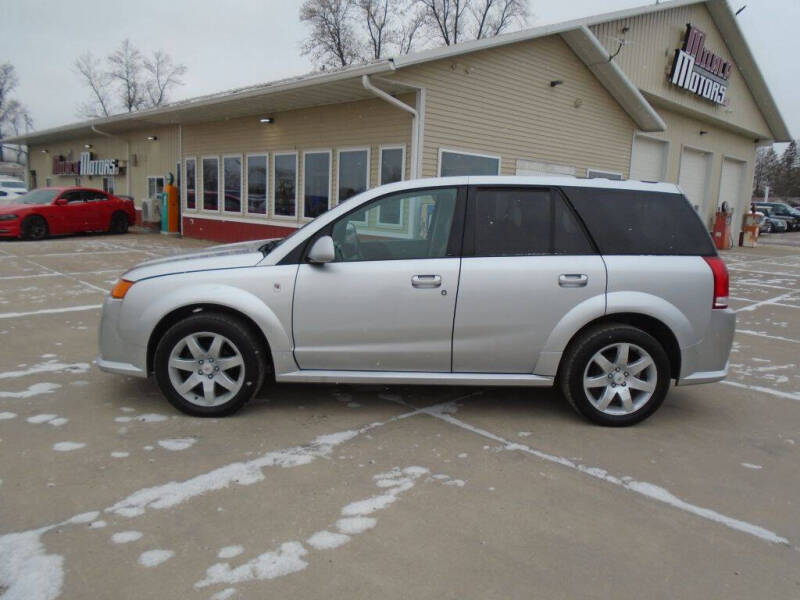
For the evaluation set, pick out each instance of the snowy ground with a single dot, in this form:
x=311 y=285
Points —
x=401 y=492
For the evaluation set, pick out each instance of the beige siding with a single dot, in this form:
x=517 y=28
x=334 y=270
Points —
x=500 y=102
x=156 y=157
x=685 y=131
x=364 y=124
x=647 y=56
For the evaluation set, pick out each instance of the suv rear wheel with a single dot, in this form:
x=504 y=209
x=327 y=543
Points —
x=209 y=365
x=615 y=375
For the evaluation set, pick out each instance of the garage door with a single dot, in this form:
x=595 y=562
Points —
x=732 y=190
x=648 y=159
x=693 y=178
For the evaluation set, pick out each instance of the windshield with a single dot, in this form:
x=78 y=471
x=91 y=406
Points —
x=272 y=244
x=20 y=185
x=38 y=197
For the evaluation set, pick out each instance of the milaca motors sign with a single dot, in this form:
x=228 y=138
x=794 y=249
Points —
x=699 y=70
x=85 y=166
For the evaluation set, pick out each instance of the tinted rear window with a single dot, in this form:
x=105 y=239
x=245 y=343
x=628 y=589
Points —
x=637 y=222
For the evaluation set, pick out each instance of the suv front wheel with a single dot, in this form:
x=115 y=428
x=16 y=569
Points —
x=209 y=364
x=615 y=375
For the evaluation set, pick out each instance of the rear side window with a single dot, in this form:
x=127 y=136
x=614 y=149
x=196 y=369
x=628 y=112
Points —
x=639 y=222
x=524 y=222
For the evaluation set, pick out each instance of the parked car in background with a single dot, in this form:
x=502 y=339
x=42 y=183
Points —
x=58 y=211
x=10 y=189
x=771 y=223
x=606 y=289
x=778 y=210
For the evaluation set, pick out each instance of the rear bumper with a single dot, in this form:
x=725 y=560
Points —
x=707 y=361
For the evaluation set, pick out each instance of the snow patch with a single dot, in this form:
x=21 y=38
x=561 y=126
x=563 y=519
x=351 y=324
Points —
x=40 y=418
x=224 y=594
x=33 y=390
x=327 y=540
x=125 y=537
x=153 y=558
x=177 y=443
x=50 y=366
x=97 y=524
x=230 y=551
x=355 y=525
x=287 y=559
x=751 y=466
x=7 y=415
x=68 y=446
x=120 y=454
x=58 y=422
x=27 y=572
x=146 y=418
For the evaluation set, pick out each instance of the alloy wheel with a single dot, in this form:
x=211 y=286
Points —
x=620 y=379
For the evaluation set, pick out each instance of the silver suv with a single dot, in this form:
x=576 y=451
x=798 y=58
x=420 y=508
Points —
x=606 y=289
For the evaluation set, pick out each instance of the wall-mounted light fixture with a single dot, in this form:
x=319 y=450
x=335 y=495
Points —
x=555 y=82
x=87 y=146
x=43 y=150
x=151 y=138
x=266 y=120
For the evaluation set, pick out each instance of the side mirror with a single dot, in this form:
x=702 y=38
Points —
x=322 y=251
x=61 y=202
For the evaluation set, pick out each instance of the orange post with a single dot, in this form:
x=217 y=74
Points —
x=173 y=208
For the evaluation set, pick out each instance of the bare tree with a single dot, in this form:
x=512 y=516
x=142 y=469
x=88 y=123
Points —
x=99 y=82
x=410 y=29
x=14 y=116
x=332 y=41
x=378 y=24
x=445 y=18
x=126 y=70
x=163 y=75
x=493 y=17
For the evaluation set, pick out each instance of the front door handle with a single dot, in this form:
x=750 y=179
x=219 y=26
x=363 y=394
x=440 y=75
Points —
x=426 y=281
x=573 y=280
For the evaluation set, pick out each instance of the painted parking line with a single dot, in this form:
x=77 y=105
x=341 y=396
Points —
x=764 y=390
x=767 y=335
x=766 y=302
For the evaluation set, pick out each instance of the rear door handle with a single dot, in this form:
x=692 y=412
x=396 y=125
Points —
x=573 y=280
x=426 y=281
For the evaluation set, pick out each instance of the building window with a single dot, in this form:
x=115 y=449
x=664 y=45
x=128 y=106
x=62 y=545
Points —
x=353 y=173
x=210 y=183
x=155 y=185
x=257 y=184
x=452 y=162
x=232 y=178
x=191 y=183
x=48 y=182
x=316 y=183
x=392 y=165
x=109 y=185
x=595 y=174
x=285 y=181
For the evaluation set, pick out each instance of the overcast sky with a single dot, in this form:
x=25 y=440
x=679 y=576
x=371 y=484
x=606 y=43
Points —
x=232 y=43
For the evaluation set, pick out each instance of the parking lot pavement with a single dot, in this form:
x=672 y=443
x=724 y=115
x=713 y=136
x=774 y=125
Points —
x=385 y=492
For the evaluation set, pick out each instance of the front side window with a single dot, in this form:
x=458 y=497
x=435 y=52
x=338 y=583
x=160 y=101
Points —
x=426 y=235
x=191 y=183
x=316 y=183
x=524 y=222
x=458 y=163
x=211 y=183
x=257 y=185
x=285 y=182
x=353 y=173
x=232 y=178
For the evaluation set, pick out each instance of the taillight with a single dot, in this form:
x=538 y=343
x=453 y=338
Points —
x=721 y=281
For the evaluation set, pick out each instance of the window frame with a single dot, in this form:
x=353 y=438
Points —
x=223 y=210
x=246 y=185
x=202 y=186
x=185 y=188
x=329 y=152
x=294 y=217
x=469 y=245
x=443 y=150
x=163 y=183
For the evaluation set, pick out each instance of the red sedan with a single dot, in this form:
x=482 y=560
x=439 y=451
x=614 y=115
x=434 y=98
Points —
x=58 y=211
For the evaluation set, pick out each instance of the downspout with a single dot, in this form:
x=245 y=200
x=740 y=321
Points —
x=365 y=81
x=183 y=183
x=127 y=157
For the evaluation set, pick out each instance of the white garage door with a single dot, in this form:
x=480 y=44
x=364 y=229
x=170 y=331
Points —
x=731 y=189
x=648 y=159
x=693 y=178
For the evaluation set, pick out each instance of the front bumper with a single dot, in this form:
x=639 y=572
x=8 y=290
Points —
x=118 y=354
x=10 y=228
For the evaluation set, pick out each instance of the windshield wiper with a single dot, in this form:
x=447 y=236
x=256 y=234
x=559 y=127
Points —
x=270 y=246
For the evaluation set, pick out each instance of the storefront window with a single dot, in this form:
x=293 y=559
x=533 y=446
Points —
x=108 y=185
x=211 y=183
x=316 y=183
x=461 y=163
x=155 y=185
x=392 y=165
x=353 y=173
x=285 y=178
x=257 y=184
x=191 y=183
x=232 y=175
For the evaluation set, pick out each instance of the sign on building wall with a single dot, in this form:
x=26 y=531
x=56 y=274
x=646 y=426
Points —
x=85 y=166
x=699 y=70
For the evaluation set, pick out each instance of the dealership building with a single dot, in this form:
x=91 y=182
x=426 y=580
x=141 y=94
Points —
x=667 y=92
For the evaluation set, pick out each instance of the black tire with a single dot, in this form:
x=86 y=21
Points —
x=119 y=223
x=34 y=228
x=577 y=363
x=242 y=339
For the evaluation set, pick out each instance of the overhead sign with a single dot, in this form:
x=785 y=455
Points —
x=699 y=70
x=85 y=166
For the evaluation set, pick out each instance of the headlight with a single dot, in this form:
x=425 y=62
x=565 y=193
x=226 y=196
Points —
x=121 y=288
x=8 y=217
